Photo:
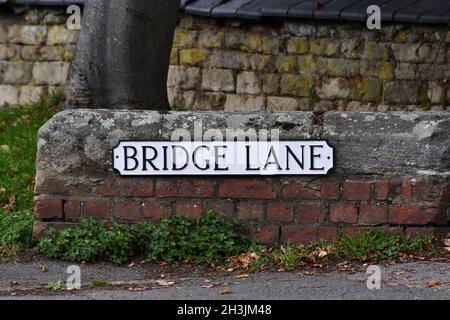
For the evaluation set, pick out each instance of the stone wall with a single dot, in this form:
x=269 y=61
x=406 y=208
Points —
x=35 y=53
x=392 y=171
x=253 y=66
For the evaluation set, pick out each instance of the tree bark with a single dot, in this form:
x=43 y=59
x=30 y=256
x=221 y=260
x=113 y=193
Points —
x=122 y=56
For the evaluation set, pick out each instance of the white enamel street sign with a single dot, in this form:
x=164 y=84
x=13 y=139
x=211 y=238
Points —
x=161 y=158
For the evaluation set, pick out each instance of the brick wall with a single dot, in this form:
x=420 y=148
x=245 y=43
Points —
x=249 y=66
x=276 y=209
x=392 y=178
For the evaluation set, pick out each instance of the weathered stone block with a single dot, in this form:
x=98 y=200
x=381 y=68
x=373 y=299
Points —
x=210 y=101
x=211 y=38
x=50 y=73
x=3 y=33
x=271 y=83
x=76 y=145
x=7 y=52
x=218 y=80
x=287 y=64
x=390 y=143
x=243 y=103
x=15 y=73
x=192 y=56
x=338 y=67
x=229 y=59
x=325 y=47
x=184 y=77
x=301 y=29
x=9 y=95
x=58 y=35
x=29 y=94
x=184 y=38
x=248 y=82
x=263 y=63
x=376 y=51
x=296 y=85
x=297 y=45
x=333 y=88
x=382 y=70
x=417 y=52
x=28 y=35
x=367 y=89
x=404 y=92
x=276 y=104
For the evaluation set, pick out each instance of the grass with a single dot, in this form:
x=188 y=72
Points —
x=99 y=283
x=367 y=246
x=212 y=240
x=18 y=131
x=173 y=240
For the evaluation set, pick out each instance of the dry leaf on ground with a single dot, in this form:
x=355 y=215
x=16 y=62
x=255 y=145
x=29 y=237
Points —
x=433 y=283
x=164 y=283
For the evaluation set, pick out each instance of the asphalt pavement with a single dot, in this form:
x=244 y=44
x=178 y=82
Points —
x=411 y=280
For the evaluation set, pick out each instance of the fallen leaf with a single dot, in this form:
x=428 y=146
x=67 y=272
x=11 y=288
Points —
x=241 y=276
x=433 y=283
x=207 y=286
x=230 y=269
x=43 y=268
x=447 y=242
x=131 y=265
x=226 y=291
x=2 y=190
x=164 y=283
x=139 y=288
x=323 y=254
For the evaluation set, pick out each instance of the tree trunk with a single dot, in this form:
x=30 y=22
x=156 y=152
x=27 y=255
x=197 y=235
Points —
x=122 y=56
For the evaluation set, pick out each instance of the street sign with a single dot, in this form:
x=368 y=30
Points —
x=162 y=158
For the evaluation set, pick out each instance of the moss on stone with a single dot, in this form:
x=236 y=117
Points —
x=193 y=56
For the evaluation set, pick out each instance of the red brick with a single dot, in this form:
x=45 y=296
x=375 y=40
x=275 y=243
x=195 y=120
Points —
x=407 y=186
x=357 y=190
x=357 y=230
x=350 y=231
x=429 y=190
x=344 y=213
x=373 y=214
x=309 y=213
x=280 y=212
x=295 y=234
x=130 y=187
x=415 y=214
x=300 y=191
x=423 y=232
x=248 y=211
x=327 y=233
x=127 y=210
x=40 y=227
x=185 y=188
x=268 y=235
x=157 y=209
x=221 y=206
x=246 y=189
x=382 y=188
x=52 y=186
x=193 y=209
x=330 y=190
x=96 y=209
x=72 y=210
x=49 y=209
